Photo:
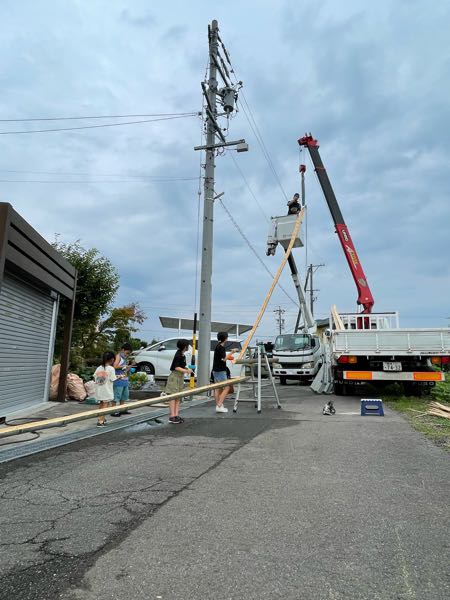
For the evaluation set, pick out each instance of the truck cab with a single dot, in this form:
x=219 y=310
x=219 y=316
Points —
x=298 y=356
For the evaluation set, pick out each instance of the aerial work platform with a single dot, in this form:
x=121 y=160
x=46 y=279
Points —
x=281 y=233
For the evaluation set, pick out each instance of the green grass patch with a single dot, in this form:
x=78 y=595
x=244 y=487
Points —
x=414 y=409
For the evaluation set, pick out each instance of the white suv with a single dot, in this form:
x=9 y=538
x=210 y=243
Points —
x=156 y=359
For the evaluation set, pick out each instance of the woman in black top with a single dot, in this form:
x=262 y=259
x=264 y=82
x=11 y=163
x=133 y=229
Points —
x=175 y=382
x=220 y=372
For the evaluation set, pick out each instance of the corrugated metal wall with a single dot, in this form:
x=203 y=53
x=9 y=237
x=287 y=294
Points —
x=26 y=319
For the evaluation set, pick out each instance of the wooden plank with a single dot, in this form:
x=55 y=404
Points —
x=337 y=319
x=89 y=414
x=295 y=231
x=439 y=406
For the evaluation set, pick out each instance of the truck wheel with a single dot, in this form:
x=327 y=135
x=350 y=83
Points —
x=145 y=367
x=339 y=389
x=282 y=380
x=412 y=389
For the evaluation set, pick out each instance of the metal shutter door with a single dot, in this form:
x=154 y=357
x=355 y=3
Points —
x=26 y=331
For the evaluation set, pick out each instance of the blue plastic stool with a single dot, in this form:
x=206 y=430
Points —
x=372 y=406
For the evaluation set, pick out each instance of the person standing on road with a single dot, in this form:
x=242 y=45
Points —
x=175 y=381
x=220 y=371
x=121 y=385
x=104 y=378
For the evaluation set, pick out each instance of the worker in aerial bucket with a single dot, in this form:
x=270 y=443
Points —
x=294 y=205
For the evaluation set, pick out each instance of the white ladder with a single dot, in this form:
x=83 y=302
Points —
x=256 y=385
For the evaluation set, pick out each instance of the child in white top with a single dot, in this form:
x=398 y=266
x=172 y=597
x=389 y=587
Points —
x=104 y=377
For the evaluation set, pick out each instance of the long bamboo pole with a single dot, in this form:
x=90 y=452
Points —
x=295 y=231
x=89 y=414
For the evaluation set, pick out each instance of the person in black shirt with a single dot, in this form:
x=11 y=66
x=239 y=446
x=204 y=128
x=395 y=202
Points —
x=220 y=371
x=294 y=205
x=175 y=382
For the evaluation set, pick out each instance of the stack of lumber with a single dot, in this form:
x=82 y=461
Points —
x=439 y=410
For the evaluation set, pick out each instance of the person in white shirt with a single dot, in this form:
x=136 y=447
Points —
x=104 y=378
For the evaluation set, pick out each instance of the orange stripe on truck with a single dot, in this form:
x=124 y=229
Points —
x=433 y=376
x=366 y=375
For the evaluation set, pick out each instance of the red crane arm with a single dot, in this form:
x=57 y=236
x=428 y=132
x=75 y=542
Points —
x=365 y=297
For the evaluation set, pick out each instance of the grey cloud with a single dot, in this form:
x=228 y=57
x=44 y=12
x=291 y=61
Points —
x=363 y=81
x=175 y=33
x=138 y=18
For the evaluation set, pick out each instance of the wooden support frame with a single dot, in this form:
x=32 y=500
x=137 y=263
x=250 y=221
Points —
x=89 y=414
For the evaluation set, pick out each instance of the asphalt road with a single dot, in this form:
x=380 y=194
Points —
x=287 y=504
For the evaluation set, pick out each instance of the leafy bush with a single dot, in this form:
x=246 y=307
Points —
x=137 y=380
x=441 y=392
x=86 y=373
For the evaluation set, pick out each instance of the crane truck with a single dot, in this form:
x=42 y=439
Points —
x=366 y=346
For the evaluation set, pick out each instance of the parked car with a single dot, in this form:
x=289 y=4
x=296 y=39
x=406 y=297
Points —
x=156 y=359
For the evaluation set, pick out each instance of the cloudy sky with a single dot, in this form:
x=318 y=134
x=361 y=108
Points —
x=370 y=80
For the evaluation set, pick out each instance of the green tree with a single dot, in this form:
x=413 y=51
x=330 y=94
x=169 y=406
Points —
x=137 y=343
x=97 y=285
x=97 y=326
x=116 y=328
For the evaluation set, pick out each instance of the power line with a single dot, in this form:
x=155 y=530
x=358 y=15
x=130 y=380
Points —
x=216 y=304
x=196 y=114
x=247 y=241
x=253 y=195
x=81 y=174
x=291 y=314
x=254 y=127
x=95 y=117
x=224 y=308
x=95 y=181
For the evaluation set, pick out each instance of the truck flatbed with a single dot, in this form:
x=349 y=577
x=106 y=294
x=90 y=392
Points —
x=392 y=342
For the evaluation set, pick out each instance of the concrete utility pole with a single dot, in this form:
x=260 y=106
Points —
x=204 y=330
x=280 y=320
x=227 y=96
x=309 y=278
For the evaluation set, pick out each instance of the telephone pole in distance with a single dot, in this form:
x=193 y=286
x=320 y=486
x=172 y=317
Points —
x=280 y=319
x=309 y=279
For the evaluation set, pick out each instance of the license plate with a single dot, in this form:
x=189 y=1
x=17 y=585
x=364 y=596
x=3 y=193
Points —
x=392 y=366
